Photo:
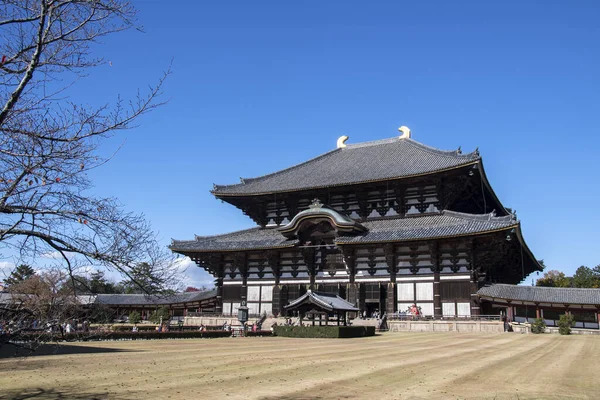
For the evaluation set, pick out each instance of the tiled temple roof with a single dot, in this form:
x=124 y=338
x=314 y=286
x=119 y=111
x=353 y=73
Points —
x=446 y=224
x=356 y=163
x=537 y=294
x=248 y=239
x=144 y=299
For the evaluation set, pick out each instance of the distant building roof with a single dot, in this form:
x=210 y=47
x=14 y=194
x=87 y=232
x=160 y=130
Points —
x=445 y=224
x=538 y=294
x=144 y=299
x=129 y=299
x=326 y=301
x=356 y=163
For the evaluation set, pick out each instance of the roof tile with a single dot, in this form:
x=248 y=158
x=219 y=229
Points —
x=362 y=162
x=539 y=294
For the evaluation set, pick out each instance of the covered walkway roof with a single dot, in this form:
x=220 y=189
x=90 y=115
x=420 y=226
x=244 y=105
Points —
x=538 y=294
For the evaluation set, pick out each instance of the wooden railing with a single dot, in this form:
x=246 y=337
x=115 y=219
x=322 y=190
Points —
x=408 y=317
x=218 y=315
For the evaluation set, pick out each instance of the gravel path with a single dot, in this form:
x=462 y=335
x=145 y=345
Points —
x=392 y=365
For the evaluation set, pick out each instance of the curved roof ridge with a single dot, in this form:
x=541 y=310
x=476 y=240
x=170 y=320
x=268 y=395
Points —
x=446 y=154
x=450 y=153
x=198 y=238
x=377 y=142
x=491 y=216
x=248 y=180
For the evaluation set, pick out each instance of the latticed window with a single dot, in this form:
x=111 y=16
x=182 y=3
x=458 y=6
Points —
x=528 y=312
x=372 y=291
x=293 y=292
x=333 y=289
x=335 y=260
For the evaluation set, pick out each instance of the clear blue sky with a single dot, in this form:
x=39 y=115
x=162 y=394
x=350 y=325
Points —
x=259 y=86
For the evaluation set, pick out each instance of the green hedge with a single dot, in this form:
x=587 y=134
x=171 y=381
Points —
x=259 y=333
x=148 y=335
x=152 y=327
x=129 y=327
x=324 y=331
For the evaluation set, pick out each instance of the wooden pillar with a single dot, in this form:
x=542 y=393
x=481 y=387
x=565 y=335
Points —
x=350 y=261
x=538 y=311
x=274 y=263
x=475 y=310
x=241 y=262
x=219 y=297
x=435 y=268
x=308 y=254
x=361 y=289
x=392 y=264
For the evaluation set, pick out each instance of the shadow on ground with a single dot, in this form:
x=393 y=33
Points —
x=7 y=350
x=54 y=394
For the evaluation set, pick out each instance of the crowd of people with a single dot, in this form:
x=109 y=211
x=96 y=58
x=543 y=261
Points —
x=70 y=326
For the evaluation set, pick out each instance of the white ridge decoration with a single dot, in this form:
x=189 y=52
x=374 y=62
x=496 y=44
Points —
x=405 y=132
x=341 y=142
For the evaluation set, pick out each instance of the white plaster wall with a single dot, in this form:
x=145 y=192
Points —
x=426 y=308
x=253 y=308
x=226 y=308
x=425 y=291
x=253 y=293
x=406 y=291
x=463 y=308
x=448 y=309
x=266 y=293
x=266 y=308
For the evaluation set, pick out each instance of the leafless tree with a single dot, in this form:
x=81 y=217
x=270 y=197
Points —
x=37 y=308
x=49 y=143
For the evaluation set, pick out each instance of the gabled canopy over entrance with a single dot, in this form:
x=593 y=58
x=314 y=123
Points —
x=327 y=302
x=317 y=213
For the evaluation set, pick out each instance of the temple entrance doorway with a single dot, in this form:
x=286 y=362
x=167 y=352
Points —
x=371 y=307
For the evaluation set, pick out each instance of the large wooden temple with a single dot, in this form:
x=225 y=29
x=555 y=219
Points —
x=383 y=224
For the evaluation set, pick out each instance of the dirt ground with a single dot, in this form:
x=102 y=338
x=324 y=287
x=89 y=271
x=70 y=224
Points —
x=392 y=365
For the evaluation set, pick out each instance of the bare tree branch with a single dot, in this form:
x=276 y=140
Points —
x=48 y=144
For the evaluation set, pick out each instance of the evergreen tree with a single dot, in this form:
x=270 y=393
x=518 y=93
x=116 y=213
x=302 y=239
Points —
x=99 y=284
x=144 y=279
x=586 y=278
x=19 y=274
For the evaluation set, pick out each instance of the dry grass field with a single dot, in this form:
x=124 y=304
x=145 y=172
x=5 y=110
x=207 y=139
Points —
x=388 y=366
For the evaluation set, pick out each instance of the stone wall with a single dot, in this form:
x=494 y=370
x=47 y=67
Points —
x=447 y=326
x=210 y=321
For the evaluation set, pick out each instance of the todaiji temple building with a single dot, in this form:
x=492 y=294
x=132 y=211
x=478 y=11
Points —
x=382 y=224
